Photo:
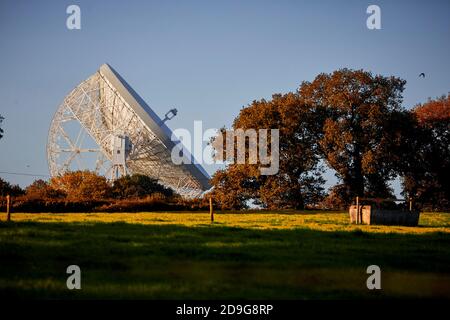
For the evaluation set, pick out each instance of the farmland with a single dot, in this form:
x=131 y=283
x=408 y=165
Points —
x=254 y=255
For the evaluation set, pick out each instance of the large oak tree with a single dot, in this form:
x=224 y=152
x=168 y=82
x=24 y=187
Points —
x=359 y=134
x=298 y=181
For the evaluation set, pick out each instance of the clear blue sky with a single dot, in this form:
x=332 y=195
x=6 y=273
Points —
x=206 y=58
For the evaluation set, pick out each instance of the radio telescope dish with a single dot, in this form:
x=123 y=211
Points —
x=103 y=125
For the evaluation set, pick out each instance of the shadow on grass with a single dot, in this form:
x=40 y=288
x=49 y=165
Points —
x=121 y=260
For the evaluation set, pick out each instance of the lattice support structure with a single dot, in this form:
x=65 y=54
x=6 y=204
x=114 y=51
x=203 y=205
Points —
x=104 y=111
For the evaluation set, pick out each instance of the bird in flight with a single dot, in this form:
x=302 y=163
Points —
x=422 y=75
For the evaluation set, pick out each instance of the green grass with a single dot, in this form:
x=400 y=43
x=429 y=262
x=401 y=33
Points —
x=253 y=256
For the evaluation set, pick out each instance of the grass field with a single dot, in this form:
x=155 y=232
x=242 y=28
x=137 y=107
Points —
x=292 y=255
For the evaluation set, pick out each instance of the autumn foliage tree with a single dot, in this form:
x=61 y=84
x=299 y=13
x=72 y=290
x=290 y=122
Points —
x=297 y=182
x=426 y=176
x=231 y=190
x=82 y=185
x=42 y=190
x=351 y=119
x=359 y=133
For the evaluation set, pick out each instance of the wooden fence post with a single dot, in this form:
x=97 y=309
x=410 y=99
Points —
x=211 y=210
x=8 y=203
x=357 y=210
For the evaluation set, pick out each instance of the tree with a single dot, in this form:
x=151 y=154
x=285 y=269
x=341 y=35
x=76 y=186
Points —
x=231 y=190
x=81 y=185
x=435 y=115
x=426 y=171
x=6 y=188
x=137 y=186
x=298 y=182
x=359 y=135
x=41 y=190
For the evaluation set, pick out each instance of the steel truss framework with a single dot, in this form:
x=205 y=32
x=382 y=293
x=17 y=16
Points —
x=102 y=112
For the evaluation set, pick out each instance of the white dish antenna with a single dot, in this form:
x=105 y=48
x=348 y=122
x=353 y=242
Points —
x=103 y=125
